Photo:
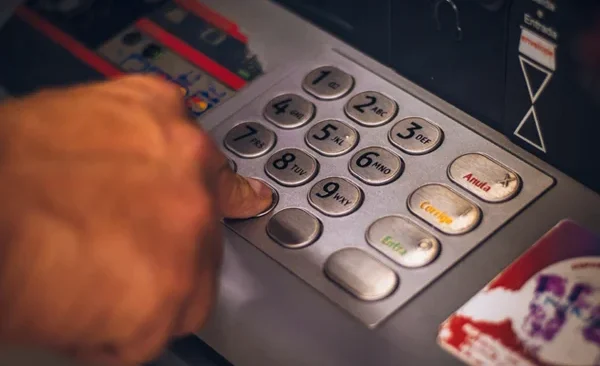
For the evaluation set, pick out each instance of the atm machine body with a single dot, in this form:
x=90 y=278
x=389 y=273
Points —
x=417 y=149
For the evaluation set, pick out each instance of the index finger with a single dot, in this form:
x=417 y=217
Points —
x=237 y=197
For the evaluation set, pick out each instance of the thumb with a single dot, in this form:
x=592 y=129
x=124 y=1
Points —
x=241 y=197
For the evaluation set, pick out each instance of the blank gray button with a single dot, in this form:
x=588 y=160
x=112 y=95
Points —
x=416 y=136
x=360 y=274
x=376 y=165
x=250 y=140
x=328 y=83
x=294 y=228
x=371 y=109
x=335 y=196
x=289 y=111
x=331 y=138
x=484 y=178
x=445 y=209
x=291 y=167
x=403 y=241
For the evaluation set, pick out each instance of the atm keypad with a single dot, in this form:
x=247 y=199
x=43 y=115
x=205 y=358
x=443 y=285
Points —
x=291 y=167
x=328 y=83
x=331 y=138
x=289 y=111
x=250 y=140
x=376 y=166
x=371 y=109
x=377 y=192
x=335 y=196
x=416 y=136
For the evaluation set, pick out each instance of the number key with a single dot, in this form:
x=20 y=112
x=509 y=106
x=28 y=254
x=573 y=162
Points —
x=331 y=138
x=328 y=83
x=250 y=140
x=416 y=136
x=376 y=166
x=371 y=109
x=335 y=197
x=289 y=111
x=291 y=167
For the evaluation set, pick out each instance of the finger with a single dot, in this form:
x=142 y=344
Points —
x=241 y=197
x=237 y=196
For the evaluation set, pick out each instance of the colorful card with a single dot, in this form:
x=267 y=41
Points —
x=543 y=309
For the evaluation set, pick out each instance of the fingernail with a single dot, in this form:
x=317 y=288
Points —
x=260 y=188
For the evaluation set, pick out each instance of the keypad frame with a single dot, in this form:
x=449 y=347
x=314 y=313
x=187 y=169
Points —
x=379 y=201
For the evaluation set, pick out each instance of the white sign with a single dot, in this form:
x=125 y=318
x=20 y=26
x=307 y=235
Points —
x=538 y=49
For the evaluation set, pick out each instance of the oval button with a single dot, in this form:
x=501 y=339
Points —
x=444 y=209
x=403 y=242
x=294 y=228
x=360 y=274
x=484 y=178
x=376 y=166
x=289 y=111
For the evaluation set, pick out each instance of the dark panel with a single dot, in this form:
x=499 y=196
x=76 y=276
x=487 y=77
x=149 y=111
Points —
x=568 y=106
x=200 y=34
x=455 y=52
x=363 y=24
x=93 y=22
x=31 y=61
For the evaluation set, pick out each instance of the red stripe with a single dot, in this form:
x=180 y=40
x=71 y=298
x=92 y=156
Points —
x=214 y=18
x=68 y=42
x=184 y=50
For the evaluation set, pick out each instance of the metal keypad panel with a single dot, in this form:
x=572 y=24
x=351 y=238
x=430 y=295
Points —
x=372 y=208
x=335 y=196
x=328 y=83
x=331 y=138
x=291 y=167
x=289 y=111
x=416 y=136
x=371 y=109
x=376 y=166
x=250 y=140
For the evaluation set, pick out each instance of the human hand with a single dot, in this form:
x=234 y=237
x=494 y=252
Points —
x=110 y=240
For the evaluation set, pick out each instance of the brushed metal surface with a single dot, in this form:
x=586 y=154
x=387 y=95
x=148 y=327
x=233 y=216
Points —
x=250 y=140
x=376 y=165
x=403 y=241
x=484 y=177
x=416 y=136
x=335 y=197
x=289 y=111
x=444 y=209
x=360 y=274
x=332 y=138
x=328 y=83
x=294 y=228
x=371 y=109
x=291 y=167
